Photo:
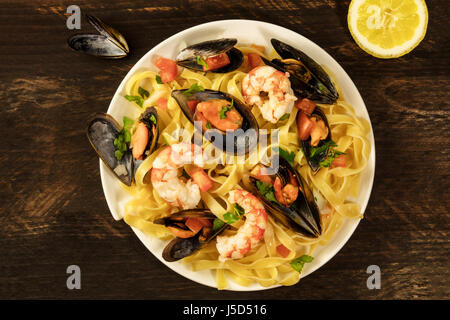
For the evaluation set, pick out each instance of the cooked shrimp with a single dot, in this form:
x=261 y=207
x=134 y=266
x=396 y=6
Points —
x=165 y=178
x=270 y=90
x=250 y=233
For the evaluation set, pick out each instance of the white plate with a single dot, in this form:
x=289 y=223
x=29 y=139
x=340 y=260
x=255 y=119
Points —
x=247 y=32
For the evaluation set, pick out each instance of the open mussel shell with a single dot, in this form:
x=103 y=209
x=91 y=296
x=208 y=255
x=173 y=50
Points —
x=238 y=142
x=102 y=129
x=314 y=163
x=180 y=248
x=109 y=44
x=150 y=118
x=303 y=215
x=188 y=56
x=308 y=78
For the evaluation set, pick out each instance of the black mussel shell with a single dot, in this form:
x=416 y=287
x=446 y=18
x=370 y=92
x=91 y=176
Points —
x=180 y=248
x=150 y=118
x=239 y=142
x=109 y=32
x=188 y=57
x=96 y=45
x=308 y=78
x=303 y=215
x=108 y=44
x=314 y=163
x=101 y=131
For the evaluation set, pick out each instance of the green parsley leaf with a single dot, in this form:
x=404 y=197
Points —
x=127 y=123
x=123 y=138
x=193 y=89
x=118 y=154
x=315 y=151
x=217 y=224
x=267 y=191
x=202 y=62
x=158 y=79
x=297 y=264
x=153 y=118
x=230 y=217
x=284 y=117
x=137 y=99
x=208 y=125
x=143 y=93
x=288 y=156
x=238 y=210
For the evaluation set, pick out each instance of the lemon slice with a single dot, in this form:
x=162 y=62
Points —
x=387 y=28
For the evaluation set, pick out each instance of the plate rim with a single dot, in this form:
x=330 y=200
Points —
x=372 y=157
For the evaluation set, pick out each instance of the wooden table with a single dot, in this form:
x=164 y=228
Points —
x=53 y=211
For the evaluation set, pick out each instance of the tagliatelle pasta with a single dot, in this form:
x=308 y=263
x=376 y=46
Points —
x=263 y=265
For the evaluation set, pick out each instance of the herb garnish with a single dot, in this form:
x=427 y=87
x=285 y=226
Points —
x=297 y=264
x=332 y=153
x=202 y=62
x=158 y=79
x=193 y=89
x=232 y=217
x=288 y=156
x=217 y=224
x=225 y=109
x=285 y=116
x=122 y=140
x=208 y=125
x=143 y=94
x=267 y=191
x=153 y=119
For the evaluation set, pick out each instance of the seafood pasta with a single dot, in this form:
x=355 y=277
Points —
x=246 y=158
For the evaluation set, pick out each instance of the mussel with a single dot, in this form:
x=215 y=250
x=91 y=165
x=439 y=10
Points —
x=102 y=131
x=219 y=56
x=322 y=148
x=287 y=197
x=108 y=44
x=238 y=141
x=308 y=78
x=191 y=241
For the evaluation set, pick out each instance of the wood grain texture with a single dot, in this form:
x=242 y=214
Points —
x=53 y=211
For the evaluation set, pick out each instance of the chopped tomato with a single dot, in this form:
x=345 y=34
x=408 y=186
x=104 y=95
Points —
x=254 y=60
x=194 y=224
x=306 y=105
x=201 y=178
x=168 y=69
x=162 y=103
x=192 y=104
x=339 y=161
x=304 y=125
x=217 y=62
x=181 y=233
x=205 y=222
x=283 y=251
x=257 y=47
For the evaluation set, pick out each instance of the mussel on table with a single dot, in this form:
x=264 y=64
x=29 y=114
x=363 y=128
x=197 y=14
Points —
x=314 y=133
x=194 y=228
x=103 y=131
x=219 y=56
x=287 y=197
x=110 y=43
x=308 y=78
x=225 y=121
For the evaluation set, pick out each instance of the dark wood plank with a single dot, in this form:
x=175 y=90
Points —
x=53 y=209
